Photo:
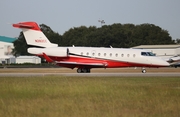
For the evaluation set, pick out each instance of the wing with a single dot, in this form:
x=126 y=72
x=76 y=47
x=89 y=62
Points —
x=71 y=64
x=80 y=64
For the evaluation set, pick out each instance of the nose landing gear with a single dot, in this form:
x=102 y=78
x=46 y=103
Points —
x=143 y=70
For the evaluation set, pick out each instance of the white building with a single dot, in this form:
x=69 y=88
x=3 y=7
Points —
x=28 y=59
x=6 y=56
x=6 y=47
x=164 y=51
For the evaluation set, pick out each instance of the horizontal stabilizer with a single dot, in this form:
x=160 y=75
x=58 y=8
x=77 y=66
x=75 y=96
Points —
x=22 y=26
x=27 y=25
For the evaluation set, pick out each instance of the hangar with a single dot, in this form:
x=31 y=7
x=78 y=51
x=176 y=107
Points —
x=6 y=56
x=6 y=47
x=28 y=59
x=163 y=51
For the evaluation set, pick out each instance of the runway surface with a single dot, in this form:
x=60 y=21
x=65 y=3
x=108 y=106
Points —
x=125 y=72
x=90 y=74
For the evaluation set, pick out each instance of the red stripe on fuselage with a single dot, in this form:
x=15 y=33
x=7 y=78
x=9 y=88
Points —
x=109 y=63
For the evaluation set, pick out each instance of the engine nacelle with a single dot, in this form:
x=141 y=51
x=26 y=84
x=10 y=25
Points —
x=58 y=51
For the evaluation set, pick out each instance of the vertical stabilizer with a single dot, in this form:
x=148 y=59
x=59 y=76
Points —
x=33 y=34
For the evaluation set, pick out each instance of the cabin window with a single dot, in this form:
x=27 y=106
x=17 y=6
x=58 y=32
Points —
x=134 y=55
x=128 y=55
x=81 y=53
x=87 y=53
x=93 y=53
x=122 y=55
x=99 y=54
x=116 y=55
x=110 y=54
x=104 y=54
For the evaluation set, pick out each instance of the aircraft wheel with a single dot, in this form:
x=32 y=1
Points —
x=143 y=70
x=83 y=70
x=86 y=70
x=79 y=70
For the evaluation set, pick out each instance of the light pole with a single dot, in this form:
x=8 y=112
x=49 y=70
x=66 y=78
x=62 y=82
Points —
x=102 y=22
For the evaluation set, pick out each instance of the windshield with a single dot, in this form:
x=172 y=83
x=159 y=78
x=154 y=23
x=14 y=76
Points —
x=147 y=54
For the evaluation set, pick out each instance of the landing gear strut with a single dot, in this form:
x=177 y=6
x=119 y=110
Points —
x=83 y=70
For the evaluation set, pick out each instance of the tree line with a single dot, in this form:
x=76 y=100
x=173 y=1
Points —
x=115 y=35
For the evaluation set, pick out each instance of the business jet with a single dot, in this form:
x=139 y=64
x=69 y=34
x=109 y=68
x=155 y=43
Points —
x=86 y=58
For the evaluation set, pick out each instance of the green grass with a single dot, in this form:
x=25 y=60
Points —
x=60 y=96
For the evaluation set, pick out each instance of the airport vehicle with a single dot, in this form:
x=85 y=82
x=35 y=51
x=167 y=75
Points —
x=86 y=58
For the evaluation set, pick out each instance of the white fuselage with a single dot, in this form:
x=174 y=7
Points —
x=120 y=55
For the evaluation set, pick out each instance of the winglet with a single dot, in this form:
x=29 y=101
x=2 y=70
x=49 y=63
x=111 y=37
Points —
x=47 y=58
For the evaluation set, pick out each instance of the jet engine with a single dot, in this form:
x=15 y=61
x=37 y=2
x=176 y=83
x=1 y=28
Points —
x=60 y=51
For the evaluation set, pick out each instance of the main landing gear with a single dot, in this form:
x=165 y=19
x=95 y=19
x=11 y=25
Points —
x=88 y=70
x=83 y=70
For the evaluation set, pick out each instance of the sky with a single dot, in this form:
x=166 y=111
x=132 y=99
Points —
x=61 y=15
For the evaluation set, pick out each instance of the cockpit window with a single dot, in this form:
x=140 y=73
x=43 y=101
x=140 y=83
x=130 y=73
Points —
x=150 y=54
x=143 y=54
x=147 y=54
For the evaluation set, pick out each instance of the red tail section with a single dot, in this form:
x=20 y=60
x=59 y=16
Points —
x=27 y=25
x=33 y=34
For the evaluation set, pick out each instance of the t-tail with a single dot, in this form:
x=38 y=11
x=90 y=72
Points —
x=33 y=34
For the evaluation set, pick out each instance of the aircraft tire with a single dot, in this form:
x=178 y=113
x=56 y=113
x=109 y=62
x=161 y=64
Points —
x=79 y=70
x=143 y=70
x=83 y=70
